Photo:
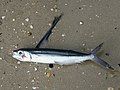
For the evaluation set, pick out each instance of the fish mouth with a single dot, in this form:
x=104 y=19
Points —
x=15 y=56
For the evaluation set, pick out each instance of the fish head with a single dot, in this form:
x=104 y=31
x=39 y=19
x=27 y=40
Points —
x=21 y=55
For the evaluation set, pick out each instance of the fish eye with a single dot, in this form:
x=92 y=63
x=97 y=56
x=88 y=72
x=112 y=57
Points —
x=20 y=52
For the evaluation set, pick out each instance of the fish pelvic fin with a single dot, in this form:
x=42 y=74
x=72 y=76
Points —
x=99 y=60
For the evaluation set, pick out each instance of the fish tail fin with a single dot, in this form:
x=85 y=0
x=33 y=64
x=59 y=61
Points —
x=99 y=60
x=94 y=51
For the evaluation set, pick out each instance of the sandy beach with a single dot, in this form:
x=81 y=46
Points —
x=84 y=25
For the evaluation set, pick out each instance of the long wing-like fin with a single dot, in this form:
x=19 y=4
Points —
x=49 y=32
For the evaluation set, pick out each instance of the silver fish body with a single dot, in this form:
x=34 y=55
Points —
x=52 y=56
x=58 y=56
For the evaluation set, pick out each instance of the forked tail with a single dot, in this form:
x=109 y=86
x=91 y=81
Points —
x=99 y=60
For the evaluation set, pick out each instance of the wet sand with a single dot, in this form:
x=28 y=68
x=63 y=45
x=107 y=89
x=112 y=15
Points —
x=85 y=24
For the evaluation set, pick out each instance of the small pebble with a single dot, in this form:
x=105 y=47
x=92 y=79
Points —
x=29 y=33
x=30 y=65
x=16 y=45
x=49 y=24
x=13 y=19
x=12 y=11
x=28 y=71
x=3 y=17
x=48 y=74
x=1 y=48
x=6 y=10
x=33 y=81
x=51 y=9
x=45 y=73
x=90 y=18
x=36 y=12
x=91 y=85
x=35 y=69
x=19 y=86
x=99 y=73
x=44 y=6
x=14 y=29
x=97 y=16
x=0 y=58
x=34 y=88
x=15 y=66
x=55 y=7
x=66 y=4
x=33 y=3
x=110 y=88
x=15 y=32
x=81 y=22
x=90 y=6
x=91 y=36
x=83 y=44
x=45 y=68
x=56 y=10
x=31 y=26
x=27 y=19
x=23 y=24
x=58 y=67
x=83 y=72
x=63 y=35
x=18 y=62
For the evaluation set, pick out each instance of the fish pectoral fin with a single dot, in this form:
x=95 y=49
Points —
x=45 y=38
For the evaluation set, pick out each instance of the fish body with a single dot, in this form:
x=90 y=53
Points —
x=52 y=56
x=58 y=56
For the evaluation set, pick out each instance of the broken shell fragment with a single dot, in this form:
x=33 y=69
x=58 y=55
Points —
x=29 y=33
x=110 y=88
